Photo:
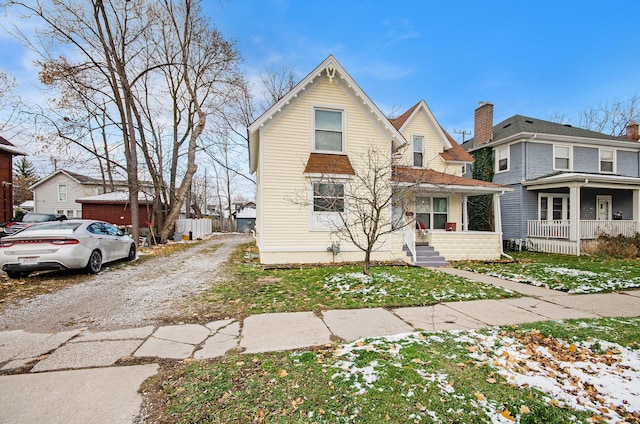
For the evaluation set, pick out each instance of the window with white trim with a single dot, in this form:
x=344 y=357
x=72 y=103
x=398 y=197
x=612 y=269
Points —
x=553 y=207
x=418 y=150
x=328 y=135
x=607 y=160
x=502 y=159
x=328 y=197
x=329 y=203
x=432 y=212
x=62 y=192
x=561 y=157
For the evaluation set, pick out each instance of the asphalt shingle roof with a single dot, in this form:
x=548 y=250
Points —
x=525 y=124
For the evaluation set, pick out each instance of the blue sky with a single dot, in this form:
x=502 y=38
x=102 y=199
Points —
x=535 y=58
x=532 y=58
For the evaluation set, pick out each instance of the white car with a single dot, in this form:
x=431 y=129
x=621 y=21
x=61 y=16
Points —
x=57 y=245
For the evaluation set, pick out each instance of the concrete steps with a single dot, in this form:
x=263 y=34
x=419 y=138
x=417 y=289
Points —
x=426 y=256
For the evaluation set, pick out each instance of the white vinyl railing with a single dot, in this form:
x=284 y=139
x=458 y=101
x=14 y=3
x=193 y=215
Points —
x=591 y=229
x=409 y=238
x=549 y=229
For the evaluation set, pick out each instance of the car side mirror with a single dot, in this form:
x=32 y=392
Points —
x=120 y=233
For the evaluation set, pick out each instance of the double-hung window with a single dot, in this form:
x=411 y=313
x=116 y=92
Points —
x=418 y=151
x=62 y=192
x=328 y=197
x=328 y=206
x=553 y=207
x=328 y=130
x=562 y=158
x=607 y=160
x=432 y=212
x=502 y=159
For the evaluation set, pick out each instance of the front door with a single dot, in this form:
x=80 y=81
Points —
x=604 y=208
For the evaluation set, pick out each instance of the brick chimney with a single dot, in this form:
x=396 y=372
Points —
x=483 y=124
x=632 y=131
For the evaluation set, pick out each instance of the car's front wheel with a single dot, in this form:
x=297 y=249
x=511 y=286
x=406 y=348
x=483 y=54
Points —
x=95 y=262
x=132 y=252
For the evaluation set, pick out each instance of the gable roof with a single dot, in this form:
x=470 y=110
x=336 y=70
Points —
x=519 y=124
x=79 y=178
x=453 y=152
x=6 y=146
x=329 y=68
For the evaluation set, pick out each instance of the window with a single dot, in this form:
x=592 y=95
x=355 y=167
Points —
x=502 y=159
x=607 y=160
x=418 y=150
x=328 y=130
x=62 y=192
x=328 y=197
x=562 y=157
x=432 y=212
x=553 y=207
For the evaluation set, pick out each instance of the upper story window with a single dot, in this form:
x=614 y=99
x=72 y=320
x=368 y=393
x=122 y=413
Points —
x=418 y=150
x=62 y=192
x=562 y=157
x=607 y=160
x=328 y=131
x=502 y=159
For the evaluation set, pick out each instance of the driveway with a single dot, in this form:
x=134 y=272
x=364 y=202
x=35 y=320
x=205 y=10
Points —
x=135 y=295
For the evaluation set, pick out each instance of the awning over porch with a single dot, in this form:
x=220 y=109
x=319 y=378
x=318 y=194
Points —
x=564 y=180
x=440 y=181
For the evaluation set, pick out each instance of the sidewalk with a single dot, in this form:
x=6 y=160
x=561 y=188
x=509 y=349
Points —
x=69 y=367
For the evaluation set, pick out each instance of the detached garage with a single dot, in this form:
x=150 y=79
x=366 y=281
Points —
x=114 y=208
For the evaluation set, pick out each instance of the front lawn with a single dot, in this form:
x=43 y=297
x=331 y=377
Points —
x=562 y=372
x=249 y=289
x=573 y=274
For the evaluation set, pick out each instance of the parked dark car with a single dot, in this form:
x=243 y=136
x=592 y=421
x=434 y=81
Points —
x=28 y=219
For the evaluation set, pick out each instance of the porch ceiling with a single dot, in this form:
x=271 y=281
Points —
x=583 y=180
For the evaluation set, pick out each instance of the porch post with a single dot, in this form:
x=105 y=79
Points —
x=636 y=209
x=465 y=214
x=574 y=215
x=497 y=217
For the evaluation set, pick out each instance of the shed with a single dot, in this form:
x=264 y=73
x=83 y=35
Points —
x=114 y=208
x=246 y=220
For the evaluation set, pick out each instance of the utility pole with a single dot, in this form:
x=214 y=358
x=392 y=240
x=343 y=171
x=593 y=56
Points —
x=463 y=132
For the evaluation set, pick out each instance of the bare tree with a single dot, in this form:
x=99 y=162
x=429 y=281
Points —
x=359 y=208
x=160 y=70
x=9 y=101
x=611 y=118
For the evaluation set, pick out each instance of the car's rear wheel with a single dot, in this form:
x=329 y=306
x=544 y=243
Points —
x=132 y=252
x=95 y=262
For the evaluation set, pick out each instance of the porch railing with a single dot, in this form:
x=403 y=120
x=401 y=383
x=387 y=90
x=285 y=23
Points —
x=409 y=238
x=589 y=229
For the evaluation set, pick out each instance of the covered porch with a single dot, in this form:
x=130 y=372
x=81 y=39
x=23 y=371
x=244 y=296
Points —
x=608 y=204
x=434 y=213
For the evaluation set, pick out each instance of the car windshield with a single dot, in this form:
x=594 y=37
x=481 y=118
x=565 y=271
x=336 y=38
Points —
x=36 y=217
x=53 y=225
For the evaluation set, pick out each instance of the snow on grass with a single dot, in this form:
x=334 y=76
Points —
x=606 y=277
x=577 y=376
x=595 y=376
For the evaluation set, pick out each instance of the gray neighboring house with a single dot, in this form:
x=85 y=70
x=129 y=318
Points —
x=58 y=191
x=551 y=168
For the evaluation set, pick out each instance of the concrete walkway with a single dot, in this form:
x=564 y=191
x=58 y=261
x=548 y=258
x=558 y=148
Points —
x=77 y=369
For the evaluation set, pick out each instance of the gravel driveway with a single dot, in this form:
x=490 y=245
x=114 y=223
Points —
x=128 y=297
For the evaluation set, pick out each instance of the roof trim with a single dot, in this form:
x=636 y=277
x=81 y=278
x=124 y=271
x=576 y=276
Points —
x=329 y=68
x=403 y=120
